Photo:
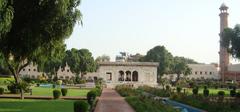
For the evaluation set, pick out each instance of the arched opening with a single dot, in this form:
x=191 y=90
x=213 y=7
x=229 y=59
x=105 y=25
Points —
x=135 y=76
x=121 y=76
x=128 y=76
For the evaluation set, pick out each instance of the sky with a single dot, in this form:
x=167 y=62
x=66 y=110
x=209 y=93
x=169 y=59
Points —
x=186 y=28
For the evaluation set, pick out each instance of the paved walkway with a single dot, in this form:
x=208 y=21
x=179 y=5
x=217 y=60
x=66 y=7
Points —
x=111 y=101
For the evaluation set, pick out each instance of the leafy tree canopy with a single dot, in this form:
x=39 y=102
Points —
x=161 y=55
x=231 y=39
x=80 y=60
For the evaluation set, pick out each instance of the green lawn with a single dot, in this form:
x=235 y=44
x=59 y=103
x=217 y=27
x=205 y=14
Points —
x=48 y=91
x=16 y=105
x=41 y=91
x=212 y=91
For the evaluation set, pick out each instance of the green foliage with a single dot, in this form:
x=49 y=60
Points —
x=15 y=88
x=148 y=105
x=97 y=91
x=56 y=94
x=161 y=55
x=80 y=60
x=91 y=96
x=59 y=82
x=81 y=106
x=195 y=91
x=206 y=92
x=6 y=16
x=155 y=91
x=238 y=95
x=221 y=93
x=232 y=92
x=206 y=103
x=179 y=89
x=125 y=90
x=35 y=30
x=1 y=90
x=64 y=91
x=231 y=40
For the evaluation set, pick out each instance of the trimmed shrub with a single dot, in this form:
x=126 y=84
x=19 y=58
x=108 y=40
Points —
x=237 y=95
x=64 y=91
x=91 y=96
x=179 y=89
x=168 y=87
x=54 y=86
x=98 y=91
x=1 y=90
x=98 y=87
x=81 y=106
x=56 y=94
x=232 y=93
x=206 y=92
x=221 y=93
x=195 y=91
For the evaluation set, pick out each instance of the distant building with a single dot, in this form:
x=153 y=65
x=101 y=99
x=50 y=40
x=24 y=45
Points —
x=126 y=57
x=31 y=71
x=131 y=73
x=200 y=72
x=65 y=72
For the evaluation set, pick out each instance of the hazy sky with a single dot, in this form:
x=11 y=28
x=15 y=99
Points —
x=186 y=28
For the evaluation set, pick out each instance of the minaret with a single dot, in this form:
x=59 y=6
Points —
x=223 y=54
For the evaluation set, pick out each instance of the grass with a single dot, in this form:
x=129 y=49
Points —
x=16 y=105
x=212 y=91
x=40 y=91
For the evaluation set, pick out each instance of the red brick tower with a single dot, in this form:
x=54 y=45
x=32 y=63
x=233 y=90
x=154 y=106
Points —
x=223 y=54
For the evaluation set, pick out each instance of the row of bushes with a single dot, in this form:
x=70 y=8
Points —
x=58 y=93
x=210 y=104
x=82 y=106
x=137 y=99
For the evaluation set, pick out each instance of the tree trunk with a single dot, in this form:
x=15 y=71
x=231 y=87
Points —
x=15 y=73
x=17 y=81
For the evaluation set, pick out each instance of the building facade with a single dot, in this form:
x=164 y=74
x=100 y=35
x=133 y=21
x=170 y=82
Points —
x=131 y=73
x=65 y=73
x=199 y=72
x=31 y=71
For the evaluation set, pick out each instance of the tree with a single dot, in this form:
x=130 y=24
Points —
x=6 y=16
x=35 y=28
x=186 y=60
x=52 y=60
x=80 y=61
x=230 y=40
x=161 y=55
x=180 y=67
x=73 y=59
x=103 y=58
x=87 y=63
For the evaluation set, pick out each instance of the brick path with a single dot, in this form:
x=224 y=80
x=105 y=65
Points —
x=111 y=101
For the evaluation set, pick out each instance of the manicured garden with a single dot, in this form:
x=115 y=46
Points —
x=142 y=102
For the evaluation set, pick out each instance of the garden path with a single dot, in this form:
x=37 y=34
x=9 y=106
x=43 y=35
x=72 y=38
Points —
x=111 y=101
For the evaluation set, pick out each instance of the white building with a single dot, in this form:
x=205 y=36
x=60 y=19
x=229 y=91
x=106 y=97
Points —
x=199 y=71
x=132 y=73
x=30 y=71
x=65 y=73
